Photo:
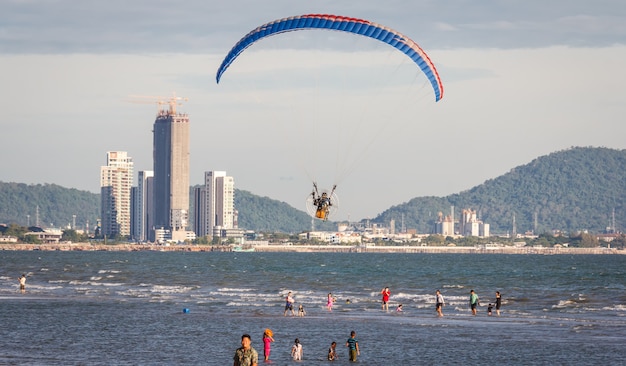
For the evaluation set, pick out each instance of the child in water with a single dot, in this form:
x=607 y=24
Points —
x=267 y=339
x=489 y=308
x=332 y=352
x=330 y=301
x=301 y=311
x=399 y=308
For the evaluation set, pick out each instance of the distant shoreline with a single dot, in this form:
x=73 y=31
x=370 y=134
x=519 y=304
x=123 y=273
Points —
x=308 y=249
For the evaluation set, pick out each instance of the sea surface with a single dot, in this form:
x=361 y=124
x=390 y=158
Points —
x=184 y=308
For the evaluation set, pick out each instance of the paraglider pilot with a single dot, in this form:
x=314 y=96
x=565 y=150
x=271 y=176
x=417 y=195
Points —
x=322 y=203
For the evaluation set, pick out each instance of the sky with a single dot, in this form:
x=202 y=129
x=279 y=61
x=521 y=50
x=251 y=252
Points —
x=522 y=79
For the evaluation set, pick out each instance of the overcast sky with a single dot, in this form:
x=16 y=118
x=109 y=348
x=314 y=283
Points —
x=522 y=79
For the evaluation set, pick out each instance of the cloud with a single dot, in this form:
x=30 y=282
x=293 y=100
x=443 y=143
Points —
x=521 y=79
x=197 y=26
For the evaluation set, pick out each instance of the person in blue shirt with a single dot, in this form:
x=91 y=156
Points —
x=353 y=345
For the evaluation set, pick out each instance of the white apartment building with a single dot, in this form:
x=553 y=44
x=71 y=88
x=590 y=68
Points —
x=116 y=181
x=215 y=204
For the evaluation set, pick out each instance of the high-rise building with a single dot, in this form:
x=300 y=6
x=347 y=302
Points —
x=142 y=207
x=215 y=204
x=171 y=171
x=116 y=180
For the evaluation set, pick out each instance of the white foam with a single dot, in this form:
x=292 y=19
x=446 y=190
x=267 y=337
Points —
x=109 y=271
x=169 y=289
x=92 y=283
x=563 y=304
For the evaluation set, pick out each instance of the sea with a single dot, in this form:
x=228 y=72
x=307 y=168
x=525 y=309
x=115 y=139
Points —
x=191 y=308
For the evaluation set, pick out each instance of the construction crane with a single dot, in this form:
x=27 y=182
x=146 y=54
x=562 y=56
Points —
x=171 y=101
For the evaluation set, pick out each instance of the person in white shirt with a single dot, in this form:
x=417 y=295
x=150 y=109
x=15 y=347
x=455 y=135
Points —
x=296 y=350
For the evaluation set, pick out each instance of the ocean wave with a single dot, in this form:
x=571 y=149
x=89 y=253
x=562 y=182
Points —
x=564 y=304
x=109 y=271
x=160 y=289
x=92 y=283
x=134 y=293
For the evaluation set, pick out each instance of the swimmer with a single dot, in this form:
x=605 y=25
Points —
x=332 y=352
x=301 y=311
x=296 y=350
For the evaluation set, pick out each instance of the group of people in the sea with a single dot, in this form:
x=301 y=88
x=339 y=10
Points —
x=246 y=355
x=474 y=302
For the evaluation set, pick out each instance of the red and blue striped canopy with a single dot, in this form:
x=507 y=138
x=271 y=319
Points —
x=343 y=24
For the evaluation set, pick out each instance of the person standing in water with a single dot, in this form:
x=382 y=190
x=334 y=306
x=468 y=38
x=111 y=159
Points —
x=498 y=302
x=386 y=293
x=330 y=301
x=353 y=345
x=246 y=355
x=22 y=283
x=267 y=340
x=473 y=301
x=439 y=302
x=289 y=305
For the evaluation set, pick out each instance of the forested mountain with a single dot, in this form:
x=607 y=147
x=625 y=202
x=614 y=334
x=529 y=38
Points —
x=574 y=189
x=57 y=205
x=569 y=190
x=265 y=214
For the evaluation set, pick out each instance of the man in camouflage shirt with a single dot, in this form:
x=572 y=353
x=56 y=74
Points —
x=246 y=355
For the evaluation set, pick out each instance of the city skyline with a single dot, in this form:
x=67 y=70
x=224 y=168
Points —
x=522 y=80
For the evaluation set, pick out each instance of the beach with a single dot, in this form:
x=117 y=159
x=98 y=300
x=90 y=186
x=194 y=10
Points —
x=276 y=248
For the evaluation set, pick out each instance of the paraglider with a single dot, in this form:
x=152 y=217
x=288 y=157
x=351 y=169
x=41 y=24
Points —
x=322 y=202
x=343 y=24
x=323 y=206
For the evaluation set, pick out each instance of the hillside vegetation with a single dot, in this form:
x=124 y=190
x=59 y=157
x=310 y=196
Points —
x=570 y=190
x=265 y=214
x=57 y=205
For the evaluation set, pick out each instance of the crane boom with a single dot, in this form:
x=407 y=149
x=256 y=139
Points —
x=171 y=102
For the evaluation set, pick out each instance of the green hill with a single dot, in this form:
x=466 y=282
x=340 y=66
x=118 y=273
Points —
x=574 y=189
x=265 y=214
x=57 y=205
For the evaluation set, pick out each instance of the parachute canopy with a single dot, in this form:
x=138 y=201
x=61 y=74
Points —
x=343 y=24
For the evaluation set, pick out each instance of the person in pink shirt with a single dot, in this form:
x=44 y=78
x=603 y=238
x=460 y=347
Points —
x=267 y=340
